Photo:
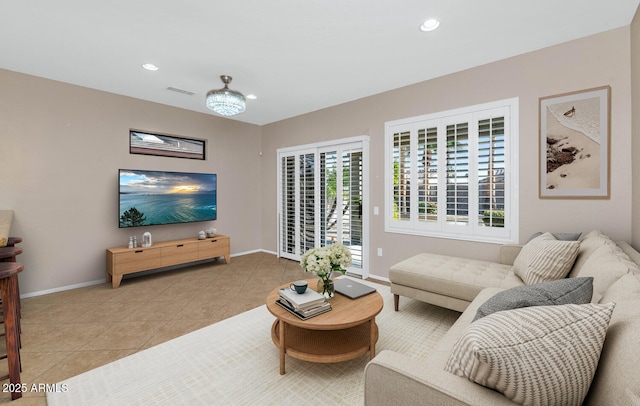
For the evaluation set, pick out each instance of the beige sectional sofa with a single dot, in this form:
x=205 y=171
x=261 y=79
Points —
x=464 y=285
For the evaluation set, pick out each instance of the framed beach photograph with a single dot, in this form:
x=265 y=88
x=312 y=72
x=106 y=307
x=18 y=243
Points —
x=145 y=143
x=574 y=145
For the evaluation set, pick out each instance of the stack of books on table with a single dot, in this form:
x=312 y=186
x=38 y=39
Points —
x=304 y=305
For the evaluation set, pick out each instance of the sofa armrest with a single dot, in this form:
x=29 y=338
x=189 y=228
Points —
x=388 y=381
x=392 y=378
x=508 y=253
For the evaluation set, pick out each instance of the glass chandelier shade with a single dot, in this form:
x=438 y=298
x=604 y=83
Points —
x=225 y=101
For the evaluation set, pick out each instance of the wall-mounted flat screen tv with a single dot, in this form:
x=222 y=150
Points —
x=148 y=198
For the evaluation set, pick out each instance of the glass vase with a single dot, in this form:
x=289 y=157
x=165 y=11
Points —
x=326 y=288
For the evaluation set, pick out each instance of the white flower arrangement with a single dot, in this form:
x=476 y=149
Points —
x=326 y=260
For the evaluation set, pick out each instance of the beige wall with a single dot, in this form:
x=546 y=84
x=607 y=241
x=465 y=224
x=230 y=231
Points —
x=60 y=149
x=635 y=114
x=61 y=146
x=603 y=59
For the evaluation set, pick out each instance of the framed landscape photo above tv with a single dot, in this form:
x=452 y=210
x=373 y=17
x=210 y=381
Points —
x=144 y=143
x=147 y=198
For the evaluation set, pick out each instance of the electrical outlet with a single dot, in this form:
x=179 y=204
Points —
x=379 y=252
x=376 y=210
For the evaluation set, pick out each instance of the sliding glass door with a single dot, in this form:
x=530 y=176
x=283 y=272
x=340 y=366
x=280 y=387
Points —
x=322 y=199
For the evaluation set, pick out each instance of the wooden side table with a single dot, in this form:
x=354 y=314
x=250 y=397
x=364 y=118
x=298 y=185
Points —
x=13 y=241
x=10 y=314
x=8 y=254
x=347 y=331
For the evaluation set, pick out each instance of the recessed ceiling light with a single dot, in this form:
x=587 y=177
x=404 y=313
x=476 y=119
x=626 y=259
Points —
x=430 y=25
x=252 y=96
x=149 y=66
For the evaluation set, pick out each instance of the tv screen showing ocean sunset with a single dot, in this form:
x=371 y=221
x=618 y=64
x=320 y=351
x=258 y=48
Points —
x=158 y=197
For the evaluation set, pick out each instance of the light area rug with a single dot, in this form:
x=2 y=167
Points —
x=234 y=362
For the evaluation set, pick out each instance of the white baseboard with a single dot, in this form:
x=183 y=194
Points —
x=63 y=288
x=379 y=278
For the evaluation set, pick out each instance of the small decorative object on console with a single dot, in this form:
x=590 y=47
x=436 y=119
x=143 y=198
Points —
x=202 y=235
x=211 y=232
x=146 y=239
x=324 y=262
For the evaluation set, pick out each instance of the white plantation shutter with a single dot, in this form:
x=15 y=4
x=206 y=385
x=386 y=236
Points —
x=307 y=202
x=329 y=208
x=352 y=192
x=457 y=173
x=402 y=175
x=452 y=174
x=288 y=205
x=491 y=162
x=427 y=164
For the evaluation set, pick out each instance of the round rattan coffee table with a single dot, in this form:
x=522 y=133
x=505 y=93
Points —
x=347 y=331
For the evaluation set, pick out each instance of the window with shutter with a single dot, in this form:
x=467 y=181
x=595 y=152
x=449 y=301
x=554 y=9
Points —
x=453 y=174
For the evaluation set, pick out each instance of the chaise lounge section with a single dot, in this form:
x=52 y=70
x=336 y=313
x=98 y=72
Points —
x=465 y=285
x=451 y=282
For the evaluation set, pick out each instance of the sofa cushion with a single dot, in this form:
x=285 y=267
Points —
x=558 y=292
x=616 y=380
x=558 y=236
x=625 y=288
x=534 y=355
x=630 y=251
x=606 y=265
x=544 y=258
x=589 y=243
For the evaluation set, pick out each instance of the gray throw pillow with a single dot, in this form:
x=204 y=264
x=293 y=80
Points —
x=557 y=292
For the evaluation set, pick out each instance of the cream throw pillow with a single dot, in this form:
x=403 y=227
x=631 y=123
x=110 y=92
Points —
x=543 y=355
x=544 y=259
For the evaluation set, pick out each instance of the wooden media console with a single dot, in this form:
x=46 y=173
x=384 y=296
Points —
x=122 y=260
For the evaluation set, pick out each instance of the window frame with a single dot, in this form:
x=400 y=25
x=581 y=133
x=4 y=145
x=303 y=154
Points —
x=441 y=228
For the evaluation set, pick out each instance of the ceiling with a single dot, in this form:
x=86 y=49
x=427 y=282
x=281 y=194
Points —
x=296 y=56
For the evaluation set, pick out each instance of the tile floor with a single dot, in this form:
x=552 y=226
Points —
x=70 y=332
